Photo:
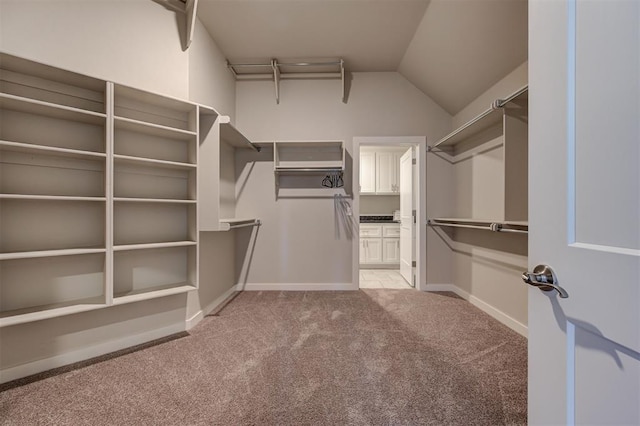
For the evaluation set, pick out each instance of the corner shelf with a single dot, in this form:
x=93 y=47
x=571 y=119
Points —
x=232 y=136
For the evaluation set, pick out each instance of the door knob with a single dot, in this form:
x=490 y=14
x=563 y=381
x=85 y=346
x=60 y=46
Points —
x=544 y=278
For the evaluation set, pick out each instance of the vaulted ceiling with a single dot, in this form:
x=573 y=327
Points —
x=452 y=50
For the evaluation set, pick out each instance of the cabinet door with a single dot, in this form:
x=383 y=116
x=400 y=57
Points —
x=391 y=250
x=386 y=180
x=367 y=172
x=363 y=250
x=372 y=250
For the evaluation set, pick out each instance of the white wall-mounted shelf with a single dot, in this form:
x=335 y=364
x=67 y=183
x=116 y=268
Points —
x=308 y=156
x=483 y=121
x=521 y=227
x=153 y=162
x=48 y=109
x=52 y=150
x=148 y=246
x=229 y=224
x=145 y=294
x=232 y=136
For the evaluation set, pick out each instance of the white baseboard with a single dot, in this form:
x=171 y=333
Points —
x=195 y=319
x=83 y=354
x=505 y=319
x=297 y=286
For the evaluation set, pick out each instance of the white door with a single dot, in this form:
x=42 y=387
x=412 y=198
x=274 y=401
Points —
x=407 y=236
x=584 y=210
x=373 y=250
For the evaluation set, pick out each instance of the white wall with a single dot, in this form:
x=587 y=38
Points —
x=482 y=266
x=503 y=88
x=136 y=43
x=300 y=240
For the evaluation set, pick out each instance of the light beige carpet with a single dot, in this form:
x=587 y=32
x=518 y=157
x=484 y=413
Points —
x=371 y=357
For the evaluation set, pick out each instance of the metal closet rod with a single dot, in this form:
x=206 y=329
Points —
x=288 y=64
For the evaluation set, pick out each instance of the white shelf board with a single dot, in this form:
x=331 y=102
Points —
x=284 y=166
x=153 y=129
x=147 y=246
x=228 y=224
x=48 y=109
x=49 y=197
x=153 y=99
x=21 y=316
x=47 y=72
x=207 y=110
x=152 y=293
x=50 y=150
x=153 y=162
x=153 y=200
x=233 y=136
x=50 y=253
x=483 y=121
x=306 y=144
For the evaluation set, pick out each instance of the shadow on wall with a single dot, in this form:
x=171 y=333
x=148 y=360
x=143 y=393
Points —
x=245 y=243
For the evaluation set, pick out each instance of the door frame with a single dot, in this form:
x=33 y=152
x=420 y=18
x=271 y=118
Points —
x=420 y=142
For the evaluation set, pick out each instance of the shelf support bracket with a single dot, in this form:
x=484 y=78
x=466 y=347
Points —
x=344 y=87
x=276 y=78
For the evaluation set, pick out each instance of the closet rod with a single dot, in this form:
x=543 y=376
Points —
x=289 y=64
x=242 y=225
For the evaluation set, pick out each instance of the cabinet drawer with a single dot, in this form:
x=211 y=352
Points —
x=391 y=231
x=370 y=231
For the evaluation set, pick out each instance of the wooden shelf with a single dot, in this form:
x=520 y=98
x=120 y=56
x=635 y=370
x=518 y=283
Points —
x=50 y=253
x=232 y=136
x=147 y=246
x=49 y=197
x=127 y=159
x=38 y=313
x=309 y=156
x=49 y=150
x=152 y=293
x=228 y=224
x=107 y=163
x=153 y=200
x=153 y=129
x=32 y=106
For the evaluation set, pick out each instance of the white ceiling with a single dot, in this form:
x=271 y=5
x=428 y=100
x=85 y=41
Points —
x=452 y=50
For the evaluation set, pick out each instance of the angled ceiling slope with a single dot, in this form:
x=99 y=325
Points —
x=369 y=35
x=463 y=47
x=452 y=50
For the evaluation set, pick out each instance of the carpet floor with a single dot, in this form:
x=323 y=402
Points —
x=368 y=357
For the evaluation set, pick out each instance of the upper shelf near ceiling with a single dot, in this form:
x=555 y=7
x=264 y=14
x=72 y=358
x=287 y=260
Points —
x=274 y=70
x=483 y=121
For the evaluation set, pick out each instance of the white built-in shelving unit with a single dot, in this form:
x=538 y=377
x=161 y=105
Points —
x=301 y=167
x=98 y=193
x=489 y=159
x=220 y=141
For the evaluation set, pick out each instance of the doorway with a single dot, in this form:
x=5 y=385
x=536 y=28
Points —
x=389 y=175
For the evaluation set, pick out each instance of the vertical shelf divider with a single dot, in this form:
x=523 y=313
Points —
x=109 y=144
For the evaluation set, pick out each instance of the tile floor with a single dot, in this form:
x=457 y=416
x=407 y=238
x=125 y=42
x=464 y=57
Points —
x=382 y=278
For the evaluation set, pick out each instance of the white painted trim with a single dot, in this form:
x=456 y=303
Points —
x=497 y=314
x=84 y=354
x=299 y=286
x=421 y=208
x=198 y=316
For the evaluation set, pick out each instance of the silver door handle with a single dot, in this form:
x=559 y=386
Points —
x=544 y=278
